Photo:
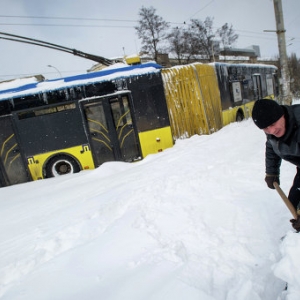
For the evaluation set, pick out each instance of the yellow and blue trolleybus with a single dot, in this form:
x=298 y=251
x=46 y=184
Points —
x=66 y=125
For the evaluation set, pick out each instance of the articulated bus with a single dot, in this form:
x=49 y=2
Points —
x=241 y=84
x=66 y=125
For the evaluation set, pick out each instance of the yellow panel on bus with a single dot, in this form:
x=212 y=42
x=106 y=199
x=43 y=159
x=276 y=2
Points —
x=211 y=96
x=81 y=153
x=230 y=115
x=154 y=141
x=193 y=100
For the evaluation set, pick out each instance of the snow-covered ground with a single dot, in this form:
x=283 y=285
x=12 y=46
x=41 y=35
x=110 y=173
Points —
x=196 y=221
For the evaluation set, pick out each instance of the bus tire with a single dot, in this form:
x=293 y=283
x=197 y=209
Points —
x=61 y=165
x=239 y=116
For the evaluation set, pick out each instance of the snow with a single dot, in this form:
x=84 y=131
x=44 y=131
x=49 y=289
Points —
x=5 y=85
x=19 y=87
x=196 y=221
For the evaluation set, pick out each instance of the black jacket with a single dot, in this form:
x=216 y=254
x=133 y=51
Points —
x=288 y=146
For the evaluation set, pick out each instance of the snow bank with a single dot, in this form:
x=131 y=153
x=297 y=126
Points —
x=193 y=222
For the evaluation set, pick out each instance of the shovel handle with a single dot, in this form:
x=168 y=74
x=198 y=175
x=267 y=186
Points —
x=286 y=200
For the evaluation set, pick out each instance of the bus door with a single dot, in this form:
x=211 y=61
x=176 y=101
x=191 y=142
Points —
x=257 y=86
x=111 y=132
x=12 y=167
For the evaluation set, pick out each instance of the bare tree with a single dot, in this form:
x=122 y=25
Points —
x=152 y=30
x=202 y=36
x=181 y=44
x=200 y=39
x=227 y=35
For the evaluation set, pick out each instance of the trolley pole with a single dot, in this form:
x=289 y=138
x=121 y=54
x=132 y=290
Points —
x=286 y=94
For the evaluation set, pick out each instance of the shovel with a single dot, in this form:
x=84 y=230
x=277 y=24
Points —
x=286 y=200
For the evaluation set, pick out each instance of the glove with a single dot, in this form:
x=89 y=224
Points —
x=296 y=223
x=269 y=179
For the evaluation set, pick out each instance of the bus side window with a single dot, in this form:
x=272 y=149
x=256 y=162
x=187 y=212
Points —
x=116 y=111
x=76 y=93
x=57 y=96
x=28 y=101
x=127 y=111
x=270 y=87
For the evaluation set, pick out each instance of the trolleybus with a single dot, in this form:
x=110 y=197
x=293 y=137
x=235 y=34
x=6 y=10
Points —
x=63 y=126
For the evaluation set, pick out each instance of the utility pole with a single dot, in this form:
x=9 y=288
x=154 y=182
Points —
x=286 y=94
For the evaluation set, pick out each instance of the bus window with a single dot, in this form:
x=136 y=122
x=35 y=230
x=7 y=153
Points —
x=76 y=93
x=257 y=86
x=270 y=87
x=121 y=114
x=11 y=161
x=127 y=111
x=5 y=107
x=28 y=101
x=57 y=96
x=99 y=89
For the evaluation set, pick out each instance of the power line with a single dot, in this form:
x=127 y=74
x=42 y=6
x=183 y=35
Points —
x=202 y=8
x=62 y=25
x=68 y=18
x=96 y=19
x=240 y=32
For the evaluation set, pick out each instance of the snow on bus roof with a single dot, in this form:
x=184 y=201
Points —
x=107 y=74
x=11 y=84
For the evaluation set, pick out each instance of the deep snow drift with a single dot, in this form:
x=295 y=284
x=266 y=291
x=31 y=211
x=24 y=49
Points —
x=196 y=221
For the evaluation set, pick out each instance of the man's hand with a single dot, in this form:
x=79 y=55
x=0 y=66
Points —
x=269 y=179
x=296 y=223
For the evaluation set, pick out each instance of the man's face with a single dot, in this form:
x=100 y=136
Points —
x=277 y=129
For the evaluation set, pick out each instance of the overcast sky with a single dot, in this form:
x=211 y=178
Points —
x=106 y=28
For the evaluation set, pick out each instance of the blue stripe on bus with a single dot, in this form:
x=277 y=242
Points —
x=77 y=78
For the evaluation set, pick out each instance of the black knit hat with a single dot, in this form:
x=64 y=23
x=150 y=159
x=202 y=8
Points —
x=266 y=112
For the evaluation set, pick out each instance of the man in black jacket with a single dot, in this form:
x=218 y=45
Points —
x=281 y=123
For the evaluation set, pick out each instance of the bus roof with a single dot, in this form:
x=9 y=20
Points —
x=107 y=74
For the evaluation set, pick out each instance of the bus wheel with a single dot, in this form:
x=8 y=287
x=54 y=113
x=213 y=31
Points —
x=239 y=116
x=61 y=165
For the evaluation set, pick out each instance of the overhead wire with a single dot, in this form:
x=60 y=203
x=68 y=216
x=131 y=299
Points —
x=97 y=19
x=245 y=34
x=67 y=18
x=64 y=25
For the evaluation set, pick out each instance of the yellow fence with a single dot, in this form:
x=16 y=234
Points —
x=193 y=100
